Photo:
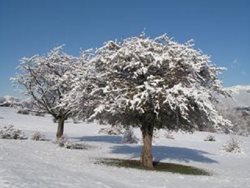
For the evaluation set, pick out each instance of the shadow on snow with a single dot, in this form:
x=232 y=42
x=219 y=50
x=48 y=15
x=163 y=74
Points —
x=159 y=152
x=167 y=152
x=105 y=138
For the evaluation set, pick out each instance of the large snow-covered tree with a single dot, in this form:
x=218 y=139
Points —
x=46 y=79
x=154 y=83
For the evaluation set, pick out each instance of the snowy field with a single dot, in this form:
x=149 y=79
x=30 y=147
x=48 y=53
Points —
x=31 y=164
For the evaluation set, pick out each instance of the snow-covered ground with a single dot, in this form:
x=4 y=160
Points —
x=31 y=164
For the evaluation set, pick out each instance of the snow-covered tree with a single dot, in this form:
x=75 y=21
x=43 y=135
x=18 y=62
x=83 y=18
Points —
x=46 y=80
x=153 y=83
x=83 y=98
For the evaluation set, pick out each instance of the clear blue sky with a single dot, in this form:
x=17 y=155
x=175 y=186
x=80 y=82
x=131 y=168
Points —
x=220 y=28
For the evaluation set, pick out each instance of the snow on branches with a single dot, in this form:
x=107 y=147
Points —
x=150 y=83
x=137 y=81
x=46 y=79
x=158 y=80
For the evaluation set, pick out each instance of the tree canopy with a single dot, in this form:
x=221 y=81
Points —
x=150 y=83
x=156 y=80
x=46 y=79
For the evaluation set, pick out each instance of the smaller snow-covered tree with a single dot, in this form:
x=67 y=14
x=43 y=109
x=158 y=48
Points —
x=46 y=80
x=153 y=84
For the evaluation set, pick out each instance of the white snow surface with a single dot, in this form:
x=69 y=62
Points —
x=33 y=164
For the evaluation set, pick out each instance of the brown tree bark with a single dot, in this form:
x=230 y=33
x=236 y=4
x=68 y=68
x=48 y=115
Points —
x=60 y=128
x=146 y=154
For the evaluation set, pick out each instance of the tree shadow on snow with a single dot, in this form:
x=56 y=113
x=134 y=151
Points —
x=166 y=152
x=106 y=138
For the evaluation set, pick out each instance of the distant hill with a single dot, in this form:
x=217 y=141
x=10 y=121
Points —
x=240 y=96
x=8 y=101
x=237 y=108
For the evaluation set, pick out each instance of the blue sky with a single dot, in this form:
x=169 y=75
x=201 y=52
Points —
x=220 y=28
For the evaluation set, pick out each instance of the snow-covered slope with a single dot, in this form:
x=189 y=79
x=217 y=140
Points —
x=31 y=164
x=240 y=97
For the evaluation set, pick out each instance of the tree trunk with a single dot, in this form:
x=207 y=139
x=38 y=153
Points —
x=60 y=128
x=146 y=154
